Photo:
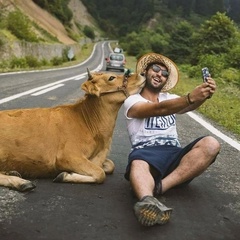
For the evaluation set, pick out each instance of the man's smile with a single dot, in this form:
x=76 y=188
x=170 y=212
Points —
x=157 y=80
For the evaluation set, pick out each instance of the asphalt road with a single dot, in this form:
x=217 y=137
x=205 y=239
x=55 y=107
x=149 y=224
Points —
x=209 y=208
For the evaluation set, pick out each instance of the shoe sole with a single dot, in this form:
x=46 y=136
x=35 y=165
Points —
x=149 y=214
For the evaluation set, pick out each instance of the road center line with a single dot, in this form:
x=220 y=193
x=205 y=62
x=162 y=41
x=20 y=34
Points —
x=8 y=99
x=47 y=90
x=78 y=77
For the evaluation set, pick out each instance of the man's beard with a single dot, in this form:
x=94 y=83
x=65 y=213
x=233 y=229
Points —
x=153 y=88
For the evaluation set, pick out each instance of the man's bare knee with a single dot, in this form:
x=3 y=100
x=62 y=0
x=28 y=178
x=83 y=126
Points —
x=212 y=145
x=209 y=144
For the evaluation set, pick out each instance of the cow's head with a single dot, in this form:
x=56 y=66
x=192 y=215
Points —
x=107 y=83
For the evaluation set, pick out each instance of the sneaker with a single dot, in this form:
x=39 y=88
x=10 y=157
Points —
x=149 y=211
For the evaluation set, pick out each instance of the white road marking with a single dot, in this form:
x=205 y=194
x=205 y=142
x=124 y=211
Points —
x=215 y=131
x=31 y=91
x=47 y=90
x=78 y=77
x=8 y=99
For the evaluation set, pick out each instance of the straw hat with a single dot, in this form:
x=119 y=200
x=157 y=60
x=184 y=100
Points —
x=149 y=58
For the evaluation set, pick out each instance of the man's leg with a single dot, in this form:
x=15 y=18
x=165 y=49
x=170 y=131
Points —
x=148 y=210
x=141 y=179
x=195 y=162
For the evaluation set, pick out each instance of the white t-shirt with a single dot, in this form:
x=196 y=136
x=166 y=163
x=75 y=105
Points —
x=160 y=130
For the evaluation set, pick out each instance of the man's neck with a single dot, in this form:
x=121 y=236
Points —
x=150 y=95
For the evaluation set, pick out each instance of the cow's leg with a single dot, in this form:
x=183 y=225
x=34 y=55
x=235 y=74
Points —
x=108 y=166
x=81 y=171
x=75 y=178
x=12 y=173
x=16 y=183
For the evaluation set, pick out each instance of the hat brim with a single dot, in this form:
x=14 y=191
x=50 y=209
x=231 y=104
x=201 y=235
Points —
x=149 y=58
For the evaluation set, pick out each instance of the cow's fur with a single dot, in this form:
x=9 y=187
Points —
x=69 y=142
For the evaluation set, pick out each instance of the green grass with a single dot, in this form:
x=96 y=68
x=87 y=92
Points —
x=224 y=106
x=8 y=35
x=131 y=63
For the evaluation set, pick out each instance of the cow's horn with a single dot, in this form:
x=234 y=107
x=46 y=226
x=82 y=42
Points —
x=89 y=75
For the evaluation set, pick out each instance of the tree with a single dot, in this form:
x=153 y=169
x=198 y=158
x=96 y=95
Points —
x=159 y=43
x=216 y=36
x=136 y=44
x=180 y=42
x=89 y=32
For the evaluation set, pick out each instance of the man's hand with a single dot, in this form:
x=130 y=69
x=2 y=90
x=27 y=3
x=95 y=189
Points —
x=203 y=91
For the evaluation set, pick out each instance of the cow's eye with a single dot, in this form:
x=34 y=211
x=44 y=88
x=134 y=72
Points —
x=111 y=78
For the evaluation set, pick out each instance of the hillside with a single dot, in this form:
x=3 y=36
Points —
x=44 y=20
x=48 y=22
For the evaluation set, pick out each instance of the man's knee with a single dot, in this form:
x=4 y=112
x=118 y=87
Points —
x=212 y=145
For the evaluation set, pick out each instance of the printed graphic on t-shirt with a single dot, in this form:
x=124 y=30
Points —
x=160 y=122
x=157 y=142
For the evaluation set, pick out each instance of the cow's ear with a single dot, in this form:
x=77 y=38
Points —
x=84 y=87
x=90 y=89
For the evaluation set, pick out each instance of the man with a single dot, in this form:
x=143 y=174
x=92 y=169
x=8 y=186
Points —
x=157 y=161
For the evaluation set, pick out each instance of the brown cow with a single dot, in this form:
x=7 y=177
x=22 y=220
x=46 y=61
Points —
x=68 y=142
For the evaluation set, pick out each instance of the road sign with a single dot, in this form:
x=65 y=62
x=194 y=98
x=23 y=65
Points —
x=70 y=54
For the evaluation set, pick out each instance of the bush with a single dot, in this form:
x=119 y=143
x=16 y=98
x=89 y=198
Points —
x=230 y=75
x=233 y=58
x=19 y=25
x=44 y=62
x=1 y=42
x=23 y=63
x=56 y=61
x=18 y=63
x=194 y=71
x=4 y=65
x=32 y=62
x=215 y=63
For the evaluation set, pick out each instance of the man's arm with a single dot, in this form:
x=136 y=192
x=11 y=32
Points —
x=178 y=105
x=212 y=88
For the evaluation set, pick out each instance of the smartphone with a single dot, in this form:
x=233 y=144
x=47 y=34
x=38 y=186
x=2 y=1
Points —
x=205 y=74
